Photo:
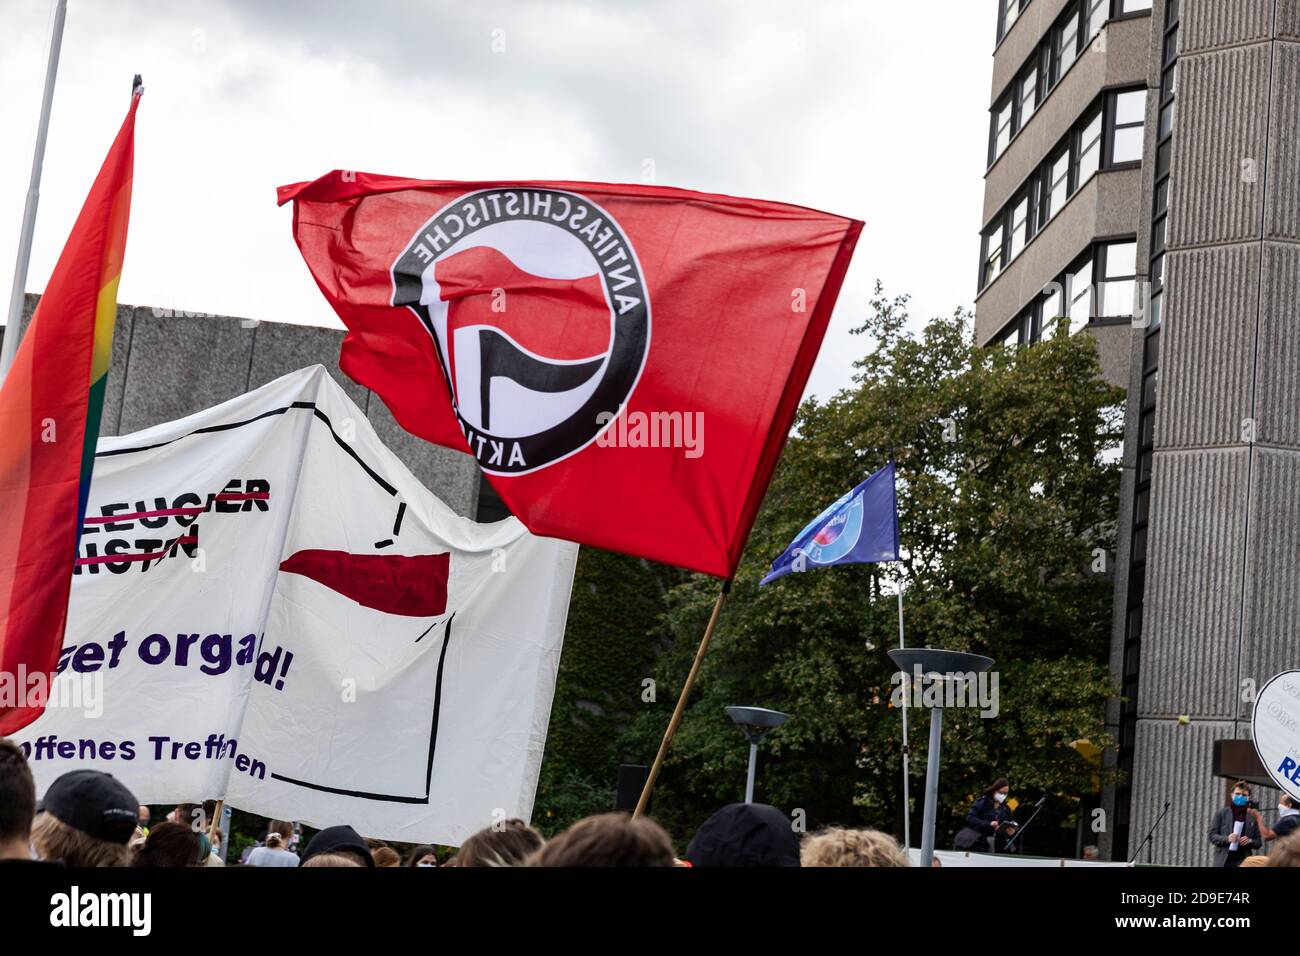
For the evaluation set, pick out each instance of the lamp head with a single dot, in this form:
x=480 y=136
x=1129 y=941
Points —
x=757 y=722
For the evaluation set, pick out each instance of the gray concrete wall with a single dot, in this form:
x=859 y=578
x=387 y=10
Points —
x=169 y=365
x=1224 y=548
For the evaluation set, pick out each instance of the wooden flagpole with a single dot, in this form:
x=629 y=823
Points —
x=214 y=825
x=681 y=700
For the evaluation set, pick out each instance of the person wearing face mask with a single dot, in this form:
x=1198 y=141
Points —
x=1287 y=822
x=1233 y=831
x=988 y=817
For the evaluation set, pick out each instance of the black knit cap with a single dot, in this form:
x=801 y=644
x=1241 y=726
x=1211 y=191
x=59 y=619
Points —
x=94 y=802
x=333 y=839
x=745 y=834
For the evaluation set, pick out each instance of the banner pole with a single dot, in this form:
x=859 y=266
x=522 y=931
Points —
x=13 y=329
x=907 y=701
x=681 y=700
x=215 y=824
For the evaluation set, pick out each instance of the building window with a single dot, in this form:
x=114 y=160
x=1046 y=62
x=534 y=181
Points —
x=1011 y=335
x=1028 y=95
x=1123 y=7
x=1057 y=191
x=1078 y=288
x=1002 y=116
x=1128 y=119
x=1008 y=13
x=1050 y=308
x=992 y=255
x=1093 y=18
x=1117 y=262
x=1067 y=44
x=1089 y=151
x=1020 y=223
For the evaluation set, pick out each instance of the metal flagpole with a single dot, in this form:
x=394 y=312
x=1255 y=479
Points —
x=13 y=328
x=907 y=703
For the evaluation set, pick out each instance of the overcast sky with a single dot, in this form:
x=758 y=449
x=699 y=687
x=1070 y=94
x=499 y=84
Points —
x=867 y=108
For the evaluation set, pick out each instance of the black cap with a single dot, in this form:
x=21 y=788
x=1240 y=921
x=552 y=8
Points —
x=334 y=839
x=1286 y=825
x=745 y=834
x=94 y=802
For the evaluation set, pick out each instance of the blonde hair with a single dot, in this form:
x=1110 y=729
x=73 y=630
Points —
x=1254 y=861
x=1285 y=852
x=333 y=859
x=836 y=846
x=52 y=839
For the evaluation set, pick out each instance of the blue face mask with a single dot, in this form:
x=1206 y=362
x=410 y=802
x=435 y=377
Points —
x=1239 y=800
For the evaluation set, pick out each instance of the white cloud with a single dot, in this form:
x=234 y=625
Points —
x=872 y=110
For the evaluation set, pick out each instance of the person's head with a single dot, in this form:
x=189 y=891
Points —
x=1286 y=804
x=745 y=834
x=836 y=846
x=279 y=834
x=608 y=840
x=423 y=855
x=507 y=843
x=1285 y=852
x=333 y=859
x=1240 y=795
x=87 y=819
x=190 y=815
x=168 y=844
x=386 y=856
x=340 y=840
x=143 y=816
x=17 y=802
x=998 y=789
x=1091 y=853
x=1255 y=861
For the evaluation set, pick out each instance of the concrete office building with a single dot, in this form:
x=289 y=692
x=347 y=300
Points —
x=167 y=365
x=1144 y=183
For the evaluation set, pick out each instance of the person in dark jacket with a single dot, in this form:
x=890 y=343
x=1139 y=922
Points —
x=988 y=817
x=745 y=834
x=1223 y=828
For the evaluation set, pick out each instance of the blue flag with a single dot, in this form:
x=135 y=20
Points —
x=860 y=528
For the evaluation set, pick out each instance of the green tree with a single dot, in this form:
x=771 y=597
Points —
x=1008 y=491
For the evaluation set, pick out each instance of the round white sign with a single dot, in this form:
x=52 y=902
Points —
x=1275 y=728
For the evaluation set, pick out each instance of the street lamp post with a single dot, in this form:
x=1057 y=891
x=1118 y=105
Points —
x=757 y=723
x=947 y=666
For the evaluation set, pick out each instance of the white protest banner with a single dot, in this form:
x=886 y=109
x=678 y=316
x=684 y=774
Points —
x=268 y=608
x=1275 y=728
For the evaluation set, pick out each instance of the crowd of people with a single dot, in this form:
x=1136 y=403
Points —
x=90 y=819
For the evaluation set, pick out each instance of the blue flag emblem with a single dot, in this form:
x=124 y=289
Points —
x=859 y=528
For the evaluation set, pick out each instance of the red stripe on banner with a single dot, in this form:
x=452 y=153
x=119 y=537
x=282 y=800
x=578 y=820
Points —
x=168 y=512
x=413 y=586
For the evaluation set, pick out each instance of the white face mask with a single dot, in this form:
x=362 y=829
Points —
x=426 y=864
x=1000 y=797
x=1286 y=811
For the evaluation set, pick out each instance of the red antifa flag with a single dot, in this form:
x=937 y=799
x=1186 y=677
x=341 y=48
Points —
x=623 y=361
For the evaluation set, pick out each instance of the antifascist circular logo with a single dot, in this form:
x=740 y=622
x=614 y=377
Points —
x=540 y=315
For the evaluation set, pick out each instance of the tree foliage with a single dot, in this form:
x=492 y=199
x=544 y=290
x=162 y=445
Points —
x=1008 y=491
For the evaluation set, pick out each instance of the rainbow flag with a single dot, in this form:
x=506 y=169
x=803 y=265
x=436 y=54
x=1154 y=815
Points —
x=50 y=408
